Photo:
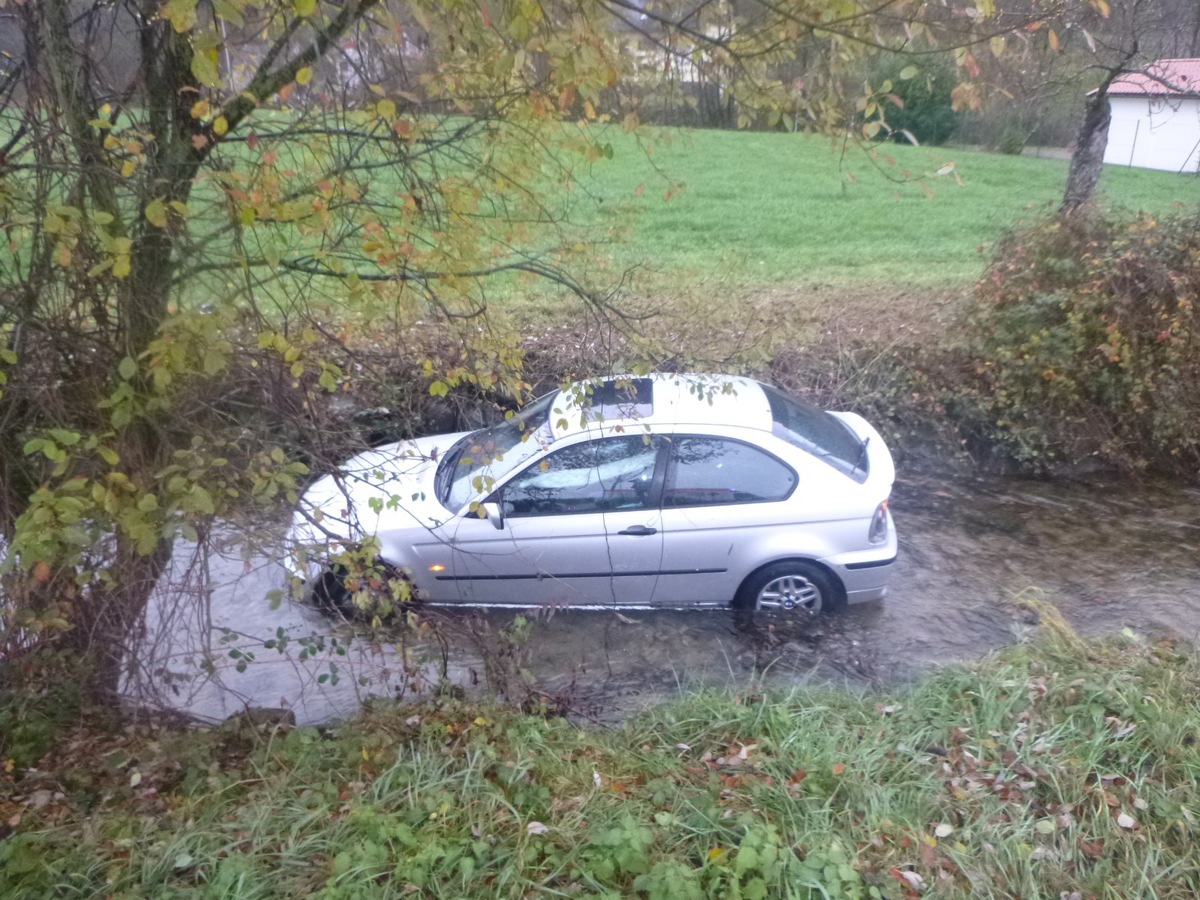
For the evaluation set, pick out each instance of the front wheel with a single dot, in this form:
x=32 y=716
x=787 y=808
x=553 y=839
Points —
x=338 y=592
x=329 y=592
x=788 y=586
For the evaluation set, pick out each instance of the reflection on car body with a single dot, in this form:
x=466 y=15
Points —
x=666 y=490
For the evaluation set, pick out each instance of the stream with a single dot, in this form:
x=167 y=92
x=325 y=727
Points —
x=1109 y=556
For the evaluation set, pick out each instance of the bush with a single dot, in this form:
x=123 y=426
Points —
x=1084 y=341
x=926 y=110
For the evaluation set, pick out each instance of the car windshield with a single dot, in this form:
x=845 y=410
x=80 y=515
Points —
x=473 y=464
x=817 y=432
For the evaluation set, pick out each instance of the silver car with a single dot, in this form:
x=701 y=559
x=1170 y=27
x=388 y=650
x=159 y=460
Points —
x=657 y=491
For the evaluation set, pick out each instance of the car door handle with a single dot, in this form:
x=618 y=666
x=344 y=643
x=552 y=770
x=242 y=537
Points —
x=639 y=530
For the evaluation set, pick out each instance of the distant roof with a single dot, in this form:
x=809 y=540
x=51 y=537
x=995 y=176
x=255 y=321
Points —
x=1167 y=77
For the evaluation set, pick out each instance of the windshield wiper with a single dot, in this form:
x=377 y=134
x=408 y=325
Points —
x=862 y=455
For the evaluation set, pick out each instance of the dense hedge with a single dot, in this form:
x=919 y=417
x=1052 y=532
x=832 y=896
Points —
x=1084 y=342
x=926 y=105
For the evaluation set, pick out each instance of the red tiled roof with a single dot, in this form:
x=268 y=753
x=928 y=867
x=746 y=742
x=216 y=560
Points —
x=1165 y=76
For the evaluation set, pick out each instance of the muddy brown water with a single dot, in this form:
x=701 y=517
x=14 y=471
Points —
x=1110 y=556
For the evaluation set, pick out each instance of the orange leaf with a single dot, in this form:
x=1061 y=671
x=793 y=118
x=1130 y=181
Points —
x=839 y=768
x=41 y=572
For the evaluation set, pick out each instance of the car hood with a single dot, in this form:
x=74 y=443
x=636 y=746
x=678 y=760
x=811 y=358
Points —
x=383 y=489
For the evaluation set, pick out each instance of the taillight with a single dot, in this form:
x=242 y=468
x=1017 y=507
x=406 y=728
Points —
x=879 y=524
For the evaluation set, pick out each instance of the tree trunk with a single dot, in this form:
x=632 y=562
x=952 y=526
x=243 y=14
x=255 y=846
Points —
x=105 y=621
x=1088 y=158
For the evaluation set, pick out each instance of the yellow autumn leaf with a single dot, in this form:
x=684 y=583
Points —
x=385 y=109
x=220 y=126
x=129 y=168
x=156 y=213
x=305 y=75
x=200 y=109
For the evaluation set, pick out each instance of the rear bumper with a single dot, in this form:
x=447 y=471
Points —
x=865 y=574
x=870 y=583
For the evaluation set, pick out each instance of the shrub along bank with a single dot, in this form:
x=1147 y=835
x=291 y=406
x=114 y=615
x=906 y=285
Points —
x=1056 y=768
x=1085 y=340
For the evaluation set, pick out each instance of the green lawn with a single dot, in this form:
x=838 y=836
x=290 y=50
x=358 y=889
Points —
x=757 y=207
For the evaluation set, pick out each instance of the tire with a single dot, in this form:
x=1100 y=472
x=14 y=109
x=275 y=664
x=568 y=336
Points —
x=329 y=592
x=331 y=595
x=791 y=585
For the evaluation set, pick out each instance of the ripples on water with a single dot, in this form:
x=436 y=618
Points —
x=1109 y=556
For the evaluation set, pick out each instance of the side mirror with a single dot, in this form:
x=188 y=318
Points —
x=494 y=513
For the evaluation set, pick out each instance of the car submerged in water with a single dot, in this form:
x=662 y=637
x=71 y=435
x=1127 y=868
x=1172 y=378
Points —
x=659 y=491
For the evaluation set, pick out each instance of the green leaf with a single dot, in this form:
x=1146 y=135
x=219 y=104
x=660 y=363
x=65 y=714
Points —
x=305 y=7
x=747 y=859
x=230 y=11
x=181 y=14
x=64 y=437
x=199 y=500
x=127 y=368
x=204 y=67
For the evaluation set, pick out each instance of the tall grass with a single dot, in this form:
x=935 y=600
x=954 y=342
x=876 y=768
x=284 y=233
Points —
x=1051 y=768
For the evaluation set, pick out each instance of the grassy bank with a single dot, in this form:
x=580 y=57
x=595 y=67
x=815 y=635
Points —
x=1054 y=767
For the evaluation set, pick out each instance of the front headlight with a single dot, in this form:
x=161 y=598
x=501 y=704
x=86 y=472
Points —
x=879 y=525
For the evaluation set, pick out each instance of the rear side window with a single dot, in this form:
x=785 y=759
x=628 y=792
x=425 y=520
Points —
x=818 y=433
x=707 y=471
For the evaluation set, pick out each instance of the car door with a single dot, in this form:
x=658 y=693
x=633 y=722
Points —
x=720 y=498
x=580 y=527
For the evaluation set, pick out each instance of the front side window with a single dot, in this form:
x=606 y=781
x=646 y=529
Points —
x=707 y=471
x=593 y=477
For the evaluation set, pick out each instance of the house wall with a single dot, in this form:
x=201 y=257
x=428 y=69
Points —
x=1154 y=133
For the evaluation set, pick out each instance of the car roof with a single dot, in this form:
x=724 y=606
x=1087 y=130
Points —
x=662 y=399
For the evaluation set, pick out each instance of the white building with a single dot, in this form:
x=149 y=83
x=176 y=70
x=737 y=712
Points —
x=1156 y=117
